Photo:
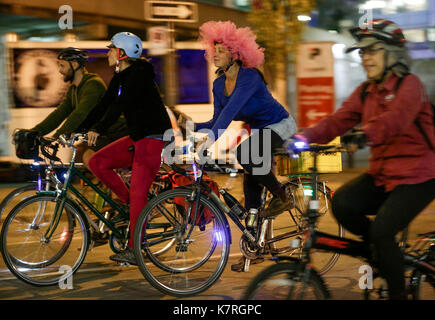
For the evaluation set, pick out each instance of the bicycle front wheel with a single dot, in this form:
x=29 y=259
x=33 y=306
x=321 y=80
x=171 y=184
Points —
x=32 y=257
x=281 y=281
x=291 y=225
x=184 y=259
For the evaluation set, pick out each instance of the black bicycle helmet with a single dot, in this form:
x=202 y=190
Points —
x=73 y=54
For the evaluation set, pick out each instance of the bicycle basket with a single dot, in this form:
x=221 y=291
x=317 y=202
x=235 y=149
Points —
x=26 y=144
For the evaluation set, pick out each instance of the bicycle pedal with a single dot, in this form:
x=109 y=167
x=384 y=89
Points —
x=246 y=266
x=124 y=264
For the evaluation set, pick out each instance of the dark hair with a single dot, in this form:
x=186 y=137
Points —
x=221 y=71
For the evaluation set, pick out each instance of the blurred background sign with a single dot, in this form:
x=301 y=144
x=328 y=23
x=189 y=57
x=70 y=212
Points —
x=315 y=82
x=158 y=39
x=175 y=11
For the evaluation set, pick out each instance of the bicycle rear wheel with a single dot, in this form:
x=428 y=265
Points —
x=31 y=257
x=185 y=259
x=281 y=281
x=290 y=224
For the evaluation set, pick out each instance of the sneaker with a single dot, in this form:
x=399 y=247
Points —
x=126 y=255
x=275 y=207
x=239 y=266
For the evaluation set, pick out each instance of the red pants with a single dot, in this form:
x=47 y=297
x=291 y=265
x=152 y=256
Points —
x=145 y=163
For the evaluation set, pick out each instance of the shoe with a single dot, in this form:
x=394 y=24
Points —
x=126 y=255
x=239 y=266
x=275 y=207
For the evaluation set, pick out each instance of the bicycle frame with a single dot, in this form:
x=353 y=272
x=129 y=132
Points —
x=319 y=240
x=63 y=194
x=199 y=186
x=69 y=187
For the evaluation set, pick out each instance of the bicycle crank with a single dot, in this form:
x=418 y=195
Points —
x=250 y=251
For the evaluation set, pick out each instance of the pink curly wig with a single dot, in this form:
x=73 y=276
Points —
x=239 y=41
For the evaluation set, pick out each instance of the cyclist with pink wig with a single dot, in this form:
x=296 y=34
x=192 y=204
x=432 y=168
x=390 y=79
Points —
x=240 y=93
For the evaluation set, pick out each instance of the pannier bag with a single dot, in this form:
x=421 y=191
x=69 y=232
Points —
x=204 y=216
x=26 y=144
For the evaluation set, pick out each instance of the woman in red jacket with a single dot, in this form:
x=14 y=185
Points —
x=397 y=124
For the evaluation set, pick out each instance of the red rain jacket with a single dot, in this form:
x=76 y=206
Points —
x=400 y=154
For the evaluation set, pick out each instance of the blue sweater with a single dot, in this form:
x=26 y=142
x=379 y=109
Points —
x=250 y=102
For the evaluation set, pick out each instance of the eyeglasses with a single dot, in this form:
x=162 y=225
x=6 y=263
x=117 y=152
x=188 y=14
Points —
x=369 y=51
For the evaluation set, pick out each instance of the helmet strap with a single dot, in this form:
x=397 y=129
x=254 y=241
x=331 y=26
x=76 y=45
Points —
x=73 y=72
x=118 y=59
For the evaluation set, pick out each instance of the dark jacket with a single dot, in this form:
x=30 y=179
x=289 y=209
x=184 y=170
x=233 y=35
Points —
x=134 y=93
x=76 y=107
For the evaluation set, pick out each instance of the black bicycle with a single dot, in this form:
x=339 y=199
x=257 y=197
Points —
x=293 y=278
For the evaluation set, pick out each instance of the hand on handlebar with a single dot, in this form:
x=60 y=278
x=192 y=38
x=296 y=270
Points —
x=201 y=146
x=296 y=144
x=182 y=119
x=92 y=138
x=355 y=140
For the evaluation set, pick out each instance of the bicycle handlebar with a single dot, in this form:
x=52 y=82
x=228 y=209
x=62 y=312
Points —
x=294 y=146
x=53 y=144
x=207 y=165
x=49 y=144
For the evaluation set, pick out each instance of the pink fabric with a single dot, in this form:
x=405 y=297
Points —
x=145 y=163
x=239 y=41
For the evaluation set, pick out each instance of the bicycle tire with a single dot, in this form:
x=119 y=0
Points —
x=420 y=286
x=70 y=238
x=11 y=197
x=188 y=267
x=266 y=285
x=323 y=261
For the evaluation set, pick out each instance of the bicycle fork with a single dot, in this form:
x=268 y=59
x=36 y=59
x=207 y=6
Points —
x=54 y=221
